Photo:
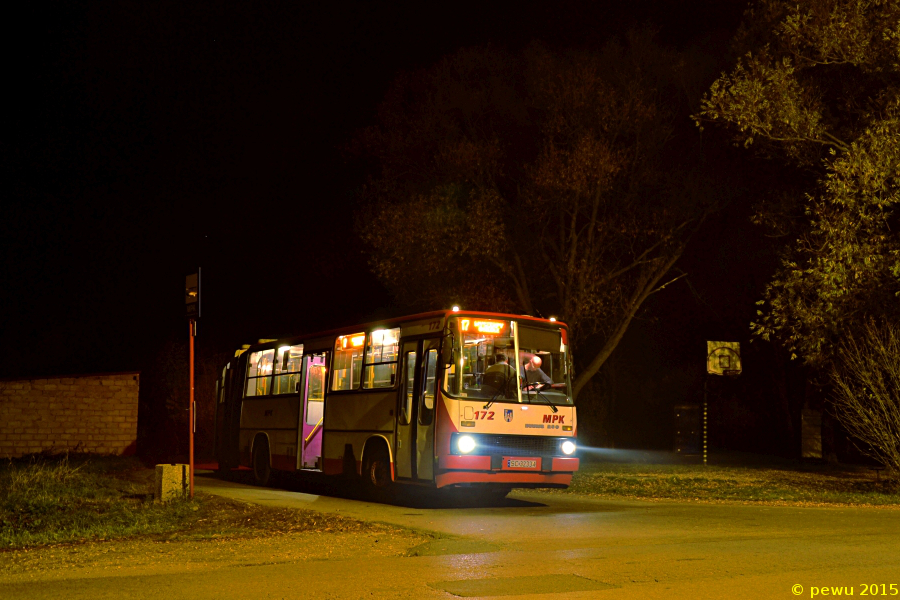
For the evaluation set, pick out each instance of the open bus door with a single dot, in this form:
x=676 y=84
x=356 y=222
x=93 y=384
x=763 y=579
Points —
x=228 y=411
x=219 y=431
x=312 y=415
x=414 y=453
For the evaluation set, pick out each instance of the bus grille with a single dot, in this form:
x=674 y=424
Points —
x=514 y=445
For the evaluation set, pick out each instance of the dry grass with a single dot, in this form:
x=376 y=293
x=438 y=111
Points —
x=47 y=500
x=788 y=484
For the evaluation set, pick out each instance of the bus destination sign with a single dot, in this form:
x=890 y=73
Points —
x=485 y=326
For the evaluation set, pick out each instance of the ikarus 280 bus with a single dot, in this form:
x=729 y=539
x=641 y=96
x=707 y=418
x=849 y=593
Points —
x=442 y=399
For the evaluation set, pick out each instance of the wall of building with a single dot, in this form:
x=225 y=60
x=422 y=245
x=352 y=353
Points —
x=84 y=413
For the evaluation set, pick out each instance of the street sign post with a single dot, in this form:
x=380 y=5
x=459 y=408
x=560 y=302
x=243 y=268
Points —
x=722 y=358
x=192 y=310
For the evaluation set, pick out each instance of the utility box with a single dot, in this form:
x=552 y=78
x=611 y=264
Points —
x=687 y=429
x=172 y=482
x=811 y=433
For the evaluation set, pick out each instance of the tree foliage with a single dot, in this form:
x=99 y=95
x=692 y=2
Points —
x=819 y=86
x=542 y=182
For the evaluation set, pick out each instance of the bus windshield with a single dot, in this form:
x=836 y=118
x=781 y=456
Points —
x=506 y=361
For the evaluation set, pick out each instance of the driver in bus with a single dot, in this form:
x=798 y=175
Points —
x=533 y=372
x=498 y=375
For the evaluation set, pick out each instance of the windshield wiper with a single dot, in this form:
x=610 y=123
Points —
x=488 y=405
x=499 y=393
x=537 y=392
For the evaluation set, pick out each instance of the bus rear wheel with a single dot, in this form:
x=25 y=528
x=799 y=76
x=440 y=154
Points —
x=262 y=470
x=377 y=472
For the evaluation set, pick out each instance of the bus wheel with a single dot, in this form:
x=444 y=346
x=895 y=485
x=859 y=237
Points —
x=377 y=471
x=262 y=470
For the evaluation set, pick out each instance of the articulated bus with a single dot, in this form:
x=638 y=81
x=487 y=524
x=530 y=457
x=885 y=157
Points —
x=442 y=399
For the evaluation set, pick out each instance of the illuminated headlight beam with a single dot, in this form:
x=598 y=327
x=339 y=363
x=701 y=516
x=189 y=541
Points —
x=465 y=443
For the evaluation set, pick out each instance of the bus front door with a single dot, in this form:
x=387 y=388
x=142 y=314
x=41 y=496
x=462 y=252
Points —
x=312 y=418
x=414 y=452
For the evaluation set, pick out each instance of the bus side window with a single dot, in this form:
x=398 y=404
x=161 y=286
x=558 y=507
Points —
x=288 y=364
x=426 y=406
x=382 y=351
x=259 y=373
x=348 y=351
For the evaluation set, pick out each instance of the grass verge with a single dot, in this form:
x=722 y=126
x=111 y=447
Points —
x=774 y=484
x=48 y=500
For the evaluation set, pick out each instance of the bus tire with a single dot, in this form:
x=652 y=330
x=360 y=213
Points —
x=376 y=473
x=262 y=469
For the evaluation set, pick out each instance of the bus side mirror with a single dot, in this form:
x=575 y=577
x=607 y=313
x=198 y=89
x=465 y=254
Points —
x=447 y=357
x=447 y=348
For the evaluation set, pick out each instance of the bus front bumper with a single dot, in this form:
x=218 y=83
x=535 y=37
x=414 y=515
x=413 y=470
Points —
x=515 y=471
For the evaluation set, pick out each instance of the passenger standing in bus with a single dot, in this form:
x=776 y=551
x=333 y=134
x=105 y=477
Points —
x=533 y=372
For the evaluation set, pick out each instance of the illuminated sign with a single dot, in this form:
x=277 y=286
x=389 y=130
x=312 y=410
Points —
x=482 y=326
x=352 y=341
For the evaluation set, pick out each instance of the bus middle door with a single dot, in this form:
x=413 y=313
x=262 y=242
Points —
x=414 y=454
x=404 y=452
x=313 y=410
x=425 y=410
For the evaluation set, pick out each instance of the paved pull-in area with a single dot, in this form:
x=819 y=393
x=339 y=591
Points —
x=532 y=545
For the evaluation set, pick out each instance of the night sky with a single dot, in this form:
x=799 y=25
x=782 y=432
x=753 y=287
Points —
x=142 y=140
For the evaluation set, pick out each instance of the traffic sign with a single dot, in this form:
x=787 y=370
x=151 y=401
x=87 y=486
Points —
x=192 y=295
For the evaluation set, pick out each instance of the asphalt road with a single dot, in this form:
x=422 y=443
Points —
x=546 y=546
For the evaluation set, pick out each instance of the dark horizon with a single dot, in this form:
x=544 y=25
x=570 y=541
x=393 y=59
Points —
x=149 y=141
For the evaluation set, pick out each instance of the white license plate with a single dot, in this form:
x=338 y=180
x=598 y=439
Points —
x=514 y=463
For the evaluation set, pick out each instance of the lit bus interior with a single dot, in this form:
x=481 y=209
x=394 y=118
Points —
x=537 y=371
x=376 y=367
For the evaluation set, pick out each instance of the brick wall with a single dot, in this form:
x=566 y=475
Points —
x=90 y=413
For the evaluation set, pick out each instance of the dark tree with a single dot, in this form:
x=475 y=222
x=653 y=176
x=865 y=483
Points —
x=819 y=88
x=540 y=182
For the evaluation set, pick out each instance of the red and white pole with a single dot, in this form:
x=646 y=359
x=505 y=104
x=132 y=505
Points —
x=192 y=304
x=193 y=332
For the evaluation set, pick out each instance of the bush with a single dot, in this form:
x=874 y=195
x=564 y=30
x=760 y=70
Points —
x=866 y=376
x=48 y=499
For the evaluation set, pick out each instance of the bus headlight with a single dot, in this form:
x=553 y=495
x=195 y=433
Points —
x=567 y=447
x=465 y=443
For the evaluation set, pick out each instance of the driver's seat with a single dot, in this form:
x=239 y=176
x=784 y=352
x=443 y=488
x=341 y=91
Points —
x=495 y=382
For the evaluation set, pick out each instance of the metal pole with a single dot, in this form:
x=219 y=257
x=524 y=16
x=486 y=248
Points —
x=705 y=385
x=191 y=408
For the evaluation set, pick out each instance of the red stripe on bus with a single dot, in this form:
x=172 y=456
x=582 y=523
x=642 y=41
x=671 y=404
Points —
x=565 y=464
x=474 y=463
x=284 y=462
x=334 y=466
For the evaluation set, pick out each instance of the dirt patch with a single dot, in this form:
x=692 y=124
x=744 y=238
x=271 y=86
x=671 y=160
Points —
x=145 y=557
